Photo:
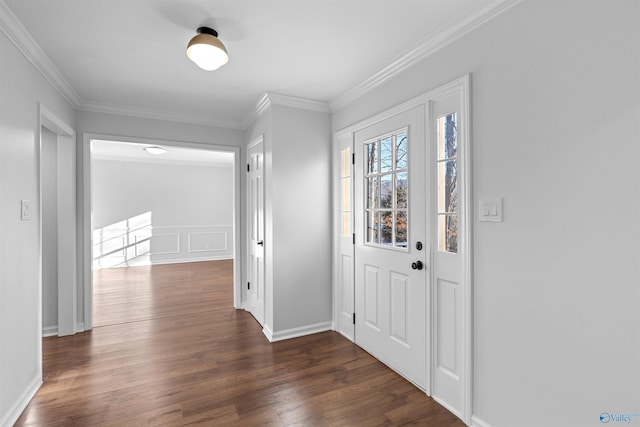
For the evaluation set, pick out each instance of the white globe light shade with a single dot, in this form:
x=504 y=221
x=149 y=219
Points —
x=207 y=52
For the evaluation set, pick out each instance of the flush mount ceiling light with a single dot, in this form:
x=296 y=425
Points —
x=206 y=50
x=155 y=150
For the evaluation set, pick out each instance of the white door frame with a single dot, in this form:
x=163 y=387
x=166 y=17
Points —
x=345 y=136
x=67 y=225
x=86 y=206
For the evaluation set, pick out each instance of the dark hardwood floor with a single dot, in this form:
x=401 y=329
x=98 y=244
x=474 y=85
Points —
x=174 y=352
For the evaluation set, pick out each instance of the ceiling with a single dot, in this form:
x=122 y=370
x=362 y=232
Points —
x=134 y=152
x=128 y=56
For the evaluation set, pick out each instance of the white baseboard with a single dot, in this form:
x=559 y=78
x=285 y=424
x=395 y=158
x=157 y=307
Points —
x=296 y=332
x=191 y=259
x=478 y=422
x=16 y=409
x=50 y=331
x=266 y=330
x=171 y=261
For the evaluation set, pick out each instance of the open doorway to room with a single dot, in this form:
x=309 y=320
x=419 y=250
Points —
x=162 y=230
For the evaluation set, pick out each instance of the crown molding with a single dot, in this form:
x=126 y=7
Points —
x=445 y=35
x=261 y=106
x=20 y=37
x=299 y=103
x=268 y=99
x=144 y=113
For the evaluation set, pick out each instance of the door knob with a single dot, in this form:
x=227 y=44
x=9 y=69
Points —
x=260 y=242
x=417 y=265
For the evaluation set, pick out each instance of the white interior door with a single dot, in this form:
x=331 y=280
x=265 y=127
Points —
x=391 y=250
x=255 y=205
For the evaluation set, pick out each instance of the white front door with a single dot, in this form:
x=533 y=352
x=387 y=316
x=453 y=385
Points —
x=255 y=214
x=392 y=242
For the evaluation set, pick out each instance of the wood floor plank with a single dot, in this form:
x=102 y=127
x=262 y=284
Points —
x=171 y=351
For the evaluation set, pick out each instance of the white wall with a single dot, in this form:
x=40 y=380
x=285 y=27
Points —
x=21 y=89
x=190 y=206
x=555 y=131
x=49 y=160
x=297 y=146
x=301 y=203
x=117 y=125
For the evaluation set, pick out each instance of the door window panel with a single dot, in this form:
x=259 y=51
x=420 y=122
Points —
x=386 y=191
x=386 y=155
x=447 y=167
x=401 y=190
x=372 y=159
x=373 y=192
x=401 y=150
x=401 y=228
x=387 y=186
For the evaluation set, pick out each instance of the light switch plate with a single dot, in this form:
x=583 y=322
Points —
x=490 y=210
x=25 y=210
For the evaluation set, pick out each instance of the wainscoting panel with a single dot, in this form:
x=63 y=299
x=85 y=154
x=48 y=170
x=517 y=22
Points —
x=128 y=244
x=208 y=241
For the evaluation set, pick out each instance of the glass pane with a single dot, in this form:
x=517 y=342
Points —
x=401 y=190
x=346 y=224
x=386 y=191
x=346 y=194
x=447 y=136
x=386 y=228
x=373 y=222
x=373 y=192
x=401 y=229
x=372 y=158
x=386 y=155
x=401 y=150
x=346 y=162
x=447 y=187
x=448 y=233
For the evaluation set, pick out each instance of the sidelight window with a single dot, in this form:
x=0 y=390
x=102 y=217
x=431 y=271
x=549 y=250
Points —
x=447 y=167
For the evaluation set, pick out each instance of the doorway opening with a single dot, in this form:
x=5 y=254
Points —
x=57 y=206
x=159 y=223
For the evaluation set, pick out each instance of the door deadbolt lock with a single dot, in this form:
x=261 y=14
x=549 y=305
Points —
x=260 y=242
x=417 y=265
x=419 y=246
